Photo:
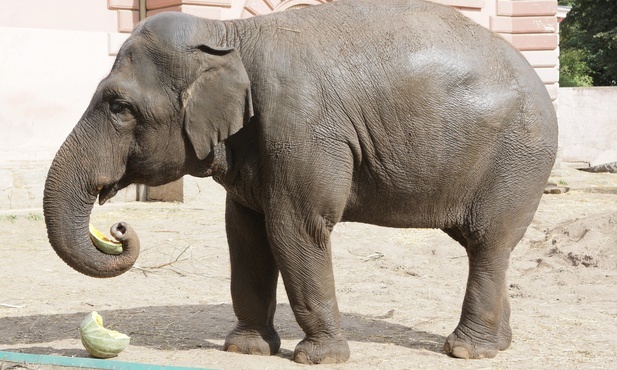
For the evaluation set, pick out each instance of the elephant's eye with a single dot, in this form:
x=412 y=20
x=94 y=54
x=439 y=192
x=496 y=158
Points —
x=117 y=107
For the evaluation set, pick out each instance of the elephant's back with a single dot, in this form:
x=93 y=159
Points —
x=388 y=39
x=409 y=24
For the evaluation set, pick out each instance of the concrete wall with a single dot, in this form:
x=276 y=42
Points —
x=588 y=124
x=47 y=80
x=54 y=54
x=76 y=15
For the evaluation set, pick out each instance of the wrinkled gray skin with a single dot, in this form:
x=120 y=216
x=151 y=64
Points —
x=399 y=113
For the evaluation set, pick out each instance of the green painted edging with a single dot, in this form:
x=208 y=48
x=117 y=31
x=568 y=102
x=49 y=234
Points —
x=84 y=362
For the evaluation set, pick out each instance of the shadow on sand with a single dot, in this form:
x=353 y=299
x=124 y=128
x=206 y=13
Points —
x=189 y=327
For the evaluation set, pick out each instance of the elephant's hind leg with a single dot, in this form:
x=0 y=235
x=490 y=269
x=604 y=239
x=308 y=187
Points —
x=253 y=283
x=484 y=327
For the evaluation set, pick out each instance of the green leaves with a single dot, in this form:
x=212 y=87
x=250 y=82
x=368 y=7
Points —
x=573 y=70
x=589 y=43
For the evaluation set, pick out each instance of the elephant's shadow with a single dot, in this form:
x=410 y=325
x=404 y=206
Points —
x=186 y=327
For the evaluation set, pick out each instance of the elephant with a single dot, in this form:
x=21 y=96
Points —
x=397 y=113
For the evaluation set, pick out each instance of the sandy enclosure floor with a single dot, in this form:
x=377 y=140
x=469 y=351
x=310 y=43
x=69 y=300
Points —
x=399 y=291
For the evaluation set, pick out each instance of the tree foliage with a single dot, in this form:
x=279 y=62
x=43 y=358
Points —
x=573 y=70
x=589 y=43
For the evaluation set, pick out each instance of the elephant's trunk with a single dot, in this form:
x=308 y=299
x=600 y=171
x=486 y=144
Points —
x=70 y=193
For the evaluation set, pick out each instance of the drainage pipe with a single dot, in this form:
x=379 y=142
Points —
x=80 y=362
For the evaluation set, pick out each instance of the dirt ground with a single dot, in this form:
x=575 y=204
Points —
x=399 y=291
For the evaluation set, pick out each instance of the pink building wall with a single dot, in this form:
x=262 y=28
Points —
x=75 y=15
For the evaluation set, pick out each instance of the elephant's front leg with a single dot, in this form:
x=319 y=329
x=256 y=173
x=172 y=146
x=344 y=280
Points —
x=302 y=248
x=253 y=283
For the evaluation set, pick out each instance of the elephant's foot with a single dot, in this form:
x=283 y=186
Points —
x=505 y=336
x=321 y=352
x=464 y=346
x=253 y=342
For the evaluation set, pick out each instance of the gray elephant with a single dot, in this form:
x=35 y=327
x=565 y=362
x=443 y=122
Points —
x=400 y=113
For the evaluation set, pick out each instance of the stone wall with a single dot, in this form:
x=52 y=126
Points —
x=588 y=124
x=22 y=183
x=47 y=78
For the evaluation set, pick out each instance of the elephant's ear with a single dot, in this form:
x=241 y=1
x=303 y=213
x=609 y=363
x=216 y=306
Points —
x=218 y=102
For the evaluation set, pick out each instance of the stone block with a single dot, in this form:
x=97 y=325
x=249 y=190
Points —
x=127 y=194
x=462 y=3
x=115 y=41
x=200 y=191
x=587 y=124
x=36 y=194
x=537 y=41
x=20 y=198
x=475 y=15
x=547 y=24
x=123 y=4
x=523 y=8
x=6 y=180
x=553 y=90
x=5 y=200
x=24 y=178
x=253 y=8
x=548 y=75
x=127 y=20
x=172 y=192
x=542 y=58
x=159 y=4
x=196 y=10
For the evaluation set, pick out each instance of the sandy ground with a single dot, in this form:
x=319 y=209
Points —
x=399 y=291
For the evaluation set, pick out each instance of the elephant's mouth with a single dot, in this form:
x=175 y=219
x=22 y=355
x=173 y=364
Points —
x=108 y=191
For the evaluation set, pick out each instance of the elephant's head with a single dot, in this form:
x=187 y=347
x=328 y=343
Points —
x=168 y=100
